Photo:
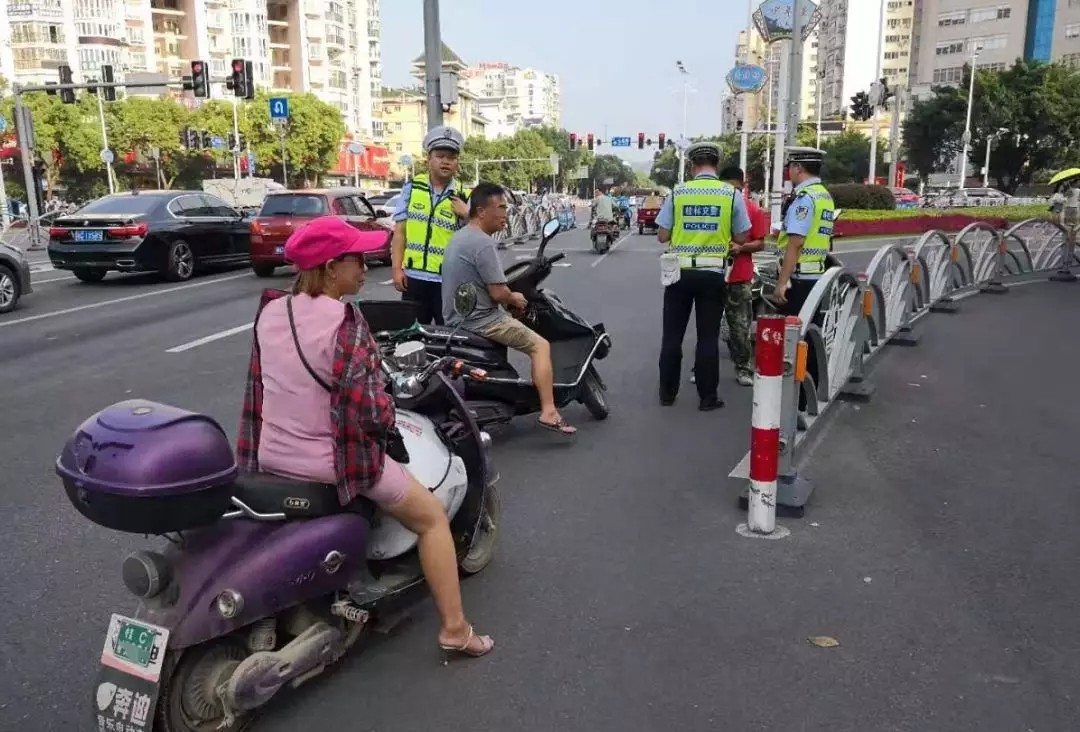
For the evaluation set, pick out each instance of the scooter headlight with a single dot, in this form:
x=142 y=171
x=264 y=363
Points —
x=229 y=603
x=485 y=440
x=146 y=573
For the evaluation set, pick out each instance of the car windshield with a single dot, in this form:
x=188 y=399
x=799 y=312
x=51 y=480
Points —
x=394 y=202
x=121 y=205
x=293 y=205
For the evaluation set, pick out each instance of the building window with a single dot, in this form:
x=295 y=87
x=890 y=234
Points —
x=947 y=19
x=950 y=75
x=1072 y=30
x=983 y=15
x=949 y=47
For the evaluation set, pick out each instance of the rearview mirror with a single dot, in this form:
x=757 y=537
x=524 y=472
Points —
x=465 y=300
x=381 y=214
x=551 y=228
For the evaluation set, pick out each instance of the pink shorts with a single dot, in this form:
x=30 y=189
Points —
x=392 y=486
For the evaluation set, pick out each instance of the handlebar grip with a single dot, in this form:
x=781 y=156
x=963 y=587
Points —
x=557 y=257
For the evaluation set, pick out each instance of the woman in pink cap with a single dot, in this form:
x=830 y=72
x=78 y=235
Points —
x=316 y=407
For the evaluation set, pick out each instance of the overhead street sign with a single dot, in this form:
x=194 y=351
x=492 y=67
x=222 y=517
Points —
x=356 y=148
x=620 y=142
x=279 y=108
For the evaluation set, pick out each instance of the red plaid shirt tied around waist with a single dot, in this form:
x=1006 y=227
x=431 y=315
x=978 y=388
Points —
x=361 y=410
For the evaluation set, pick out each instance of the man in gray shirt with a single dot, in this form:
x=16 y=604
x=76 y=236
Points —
x=472 y=257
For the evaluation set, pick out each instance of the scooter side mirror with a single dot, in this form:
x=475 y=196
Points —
x=551 y=228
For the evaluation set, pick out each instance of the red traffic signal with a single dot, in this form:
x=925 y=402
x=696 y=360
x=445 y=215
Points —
x=200 y=80
x=660 y=139
x=573 y=141
x=591 y=142
x=641 y=141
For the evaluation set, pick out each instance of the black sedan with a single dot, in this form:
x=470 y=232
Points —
x=175 y=233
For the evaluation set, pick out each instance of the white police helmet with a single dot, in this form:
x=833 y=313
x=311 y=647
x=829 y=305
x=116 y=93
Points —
x=443 y=138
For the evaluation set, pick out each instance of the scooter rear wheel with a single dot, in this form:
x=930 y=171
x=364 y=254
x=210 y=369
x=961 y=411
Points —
x=189 y=701
x=482 y=546
x=592 y=395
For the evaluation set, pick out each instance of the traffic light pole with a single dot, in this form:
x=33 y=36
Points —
x=433 y=63
x=105 y=144
x=236 y=140
x=876 y=129
x=894 y=136
x=28 y=171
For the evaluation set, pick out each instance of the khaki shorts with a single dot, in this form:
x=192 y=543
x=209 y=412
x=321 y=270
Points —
x=512 y=333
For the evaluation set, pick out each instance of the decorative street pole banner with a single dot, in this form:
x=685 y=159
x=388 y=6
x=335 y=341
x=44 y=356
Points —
x=747 y=78
x=774 y=19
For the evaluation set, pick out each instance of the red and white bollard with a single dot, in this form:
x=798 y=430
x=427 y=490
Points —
x=765 y=424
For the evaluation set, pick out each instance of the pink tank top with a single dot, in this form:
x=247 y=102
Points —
x=297 y=437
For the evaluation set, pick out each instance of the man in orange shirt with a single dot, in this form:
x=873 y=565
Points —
x=740 y=307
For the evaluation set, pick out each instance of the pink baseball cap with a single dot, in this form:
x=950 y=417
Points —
x=328 y=238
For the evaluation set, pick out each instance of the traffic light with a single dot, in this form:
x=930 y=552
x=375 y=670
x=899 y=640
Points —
x=738 y=125
x=67 y=96
x=573 y=141
x=641 y=141
x=243 y=85
x=200 y=79
x=885 y=93
x=660 y=140
x=860 y=107
x=189 y=138
x=591 y=141
x=109 y=93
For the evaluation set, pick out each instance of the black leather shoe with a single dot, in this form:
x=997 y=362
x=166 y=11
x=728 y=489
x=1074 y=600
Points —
x=708 y=404
x=666 y=399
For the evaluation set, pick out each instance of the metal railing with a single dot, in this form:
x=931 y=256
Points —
x=525 y=221
x=850 y=316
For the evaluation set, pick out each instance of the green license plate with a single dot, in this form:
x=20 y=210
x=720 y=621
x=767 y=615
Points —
x=136 y=643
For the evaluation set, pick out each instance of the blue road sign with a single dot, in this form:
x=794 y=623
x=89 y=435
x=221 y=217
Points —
x=279 y=107
x=217 y=142
x=620 y=142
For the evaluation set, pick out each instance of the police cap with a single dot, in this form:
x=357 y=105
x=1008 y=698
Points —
x=443 y=137
x=703 y=151
x=804 y=155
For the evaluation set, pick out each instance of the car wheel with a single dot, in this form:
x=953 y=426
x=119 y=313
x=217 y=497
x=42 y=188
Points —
x=264 y=270
x=181 y=264
x=9 y=290
x=89 y=275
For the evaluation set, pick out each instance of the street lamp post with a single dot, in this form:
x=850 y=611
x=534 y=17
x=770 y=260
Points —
x=685 y=95
x=989 y=143
x=875 y=101
x=817 y=94
x=967 y=125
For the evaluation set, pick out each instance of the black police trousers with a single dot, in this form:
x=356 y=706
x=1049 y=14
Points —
x=797 y=294
x=428 y=299
x=704 y=293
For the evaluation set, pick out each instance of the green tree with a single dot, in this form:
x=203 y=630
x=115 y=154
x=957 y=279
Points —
x=141 y=124
x=847 y=158
x=932 y=130
x=613 y=168
x=312 y=140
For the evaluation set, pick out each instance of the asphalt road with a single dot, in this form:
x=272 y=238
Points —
x=621 y=597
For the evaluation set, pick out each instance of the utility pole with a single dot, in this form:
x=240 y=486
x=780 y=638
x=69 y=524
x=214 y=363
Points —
x=744 y=136
x=683 y=142
x=781 y=134
x=433 y=63
x=876 y=100
x=894 y=134
x=793 y=108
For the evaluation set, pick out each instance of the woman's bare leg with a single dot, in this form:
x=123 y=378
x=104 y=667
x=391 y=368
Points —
x=421 y=513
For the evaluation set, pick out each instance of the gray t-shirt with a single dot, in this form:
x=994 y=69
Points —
x=472 y=257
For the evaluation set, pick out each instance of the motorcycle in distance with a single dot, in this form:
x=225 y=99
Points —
x=502 y=394
x=603 y=235
x=264 y=581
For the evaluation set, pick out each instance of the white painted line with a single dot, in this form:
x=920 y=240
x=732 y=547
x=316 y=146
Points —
x=54 y=279
x=609 y=251
x=388 y=282
x=116 y=301
x=563 y=264
x=210 y=338
x=41 y=267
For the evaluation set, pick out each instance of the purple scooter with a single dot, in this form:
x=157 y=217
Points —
x=264 y=581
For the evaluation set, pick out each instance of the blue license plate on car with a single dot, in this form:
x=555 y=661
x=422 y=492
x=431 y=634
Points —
x=88 y=235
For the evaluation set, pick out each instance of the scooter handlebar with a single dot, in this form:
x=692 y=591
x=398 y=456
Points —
x=557 y=257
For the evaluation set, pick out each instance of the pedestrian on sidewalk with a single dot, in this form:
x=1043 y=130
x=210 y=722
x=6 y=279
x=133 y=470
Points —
x=739 y=309
x=699 y=221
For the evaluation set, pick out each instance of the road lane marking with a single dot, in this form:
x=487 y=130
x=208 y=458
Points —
x=118 y=300
x=609 y=251
x=39 y=267
x=54 y=279
x=210 y=338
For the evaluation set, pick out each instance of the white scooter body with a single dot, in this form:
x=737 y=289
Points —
x=431 y=463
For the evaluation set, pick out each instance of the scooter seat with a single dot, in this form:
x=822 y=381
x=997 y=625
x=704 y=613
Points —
x=473 y=340
x=267 y=493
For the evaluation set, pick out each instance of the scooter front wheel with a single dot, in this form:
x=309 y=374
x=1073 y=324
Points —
x=483 y=542
x=189 y=700
x=593 y=397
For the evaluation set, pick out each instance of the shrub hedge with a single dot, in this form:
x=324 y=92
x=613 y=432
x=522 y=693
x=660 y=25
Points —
x=862 y=197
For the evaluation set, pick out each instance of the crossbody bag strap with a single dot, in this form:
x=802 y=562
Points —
x=299 y=351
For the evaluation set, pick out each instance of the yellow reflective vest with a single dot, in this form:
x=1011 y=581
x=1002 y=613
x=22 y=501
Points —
x=702 y=229
x=428 y=228
x=817 y=198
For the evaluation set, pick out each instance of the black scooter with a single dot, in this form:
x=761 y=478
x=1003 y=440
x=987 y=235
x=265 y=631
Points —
x=502 y=393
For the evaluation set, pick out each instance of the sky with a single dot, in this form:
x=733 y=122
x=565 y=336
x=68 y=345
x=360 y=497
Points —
x=615 y=59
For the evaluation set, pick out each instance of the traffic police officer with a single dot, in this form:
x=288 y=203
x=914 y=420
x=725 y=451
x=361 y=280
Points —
x=698 y=221
x=806 y=237
x=433 y=206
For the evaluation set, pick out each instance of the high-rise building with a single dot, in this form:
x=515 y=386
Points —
x=327 y=47
x=848 y=41
x=521 y=97
x=897 y=42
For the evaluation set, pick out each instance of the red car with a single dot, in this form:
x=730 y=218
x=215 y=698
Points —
x=906 y=198
x=284 y=212
x=646 y=214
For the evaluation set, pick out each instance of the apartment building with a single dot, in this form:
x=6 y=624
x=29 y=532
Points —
x=897 y=42
x=848 y=41
x=518 y=97
x=404 y=115
x=753 y=109
x=330 y=48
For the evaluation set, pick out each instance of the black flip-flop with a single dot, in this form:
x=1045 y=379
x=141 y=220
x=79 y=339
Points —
x=558 y=428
